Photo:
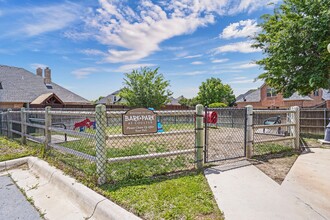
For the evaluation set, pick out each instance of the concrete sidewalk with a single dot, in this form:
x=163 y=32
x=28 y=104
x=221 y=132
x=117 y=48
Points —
x=13 y=204
x=242 y=191
x=58 y=196
x=309 y=180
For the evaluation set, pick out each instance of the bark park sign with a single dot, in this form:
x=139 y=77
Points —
x=139 y=121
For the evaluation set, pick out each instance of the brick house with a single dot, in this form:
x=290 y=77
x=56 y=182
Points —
x=266 y=97
x=21 y=88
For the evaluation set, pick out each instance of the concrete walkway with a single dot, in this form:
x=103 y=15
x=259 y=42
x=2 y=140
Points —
x=56 y=195
x=309 y=180
x=242 y=191
x=13 y=204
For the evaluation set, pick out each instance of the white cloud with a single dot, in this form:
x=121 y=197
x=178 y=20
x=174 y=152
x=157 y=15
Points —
x=242 y=47
x=84 y=72
x=130 y=67
x=193 y=56
x=243 y=81
x=42 y=19
x=193 y=73
x=131 y=34
x=220 y=60
x=244 y=28
x=93 y=52
x=34 y=66
x=246 y=66
x=196 y=63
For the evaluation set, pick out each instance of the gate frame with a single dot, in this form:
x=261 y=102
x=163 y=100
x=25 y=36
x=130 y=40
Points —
x=206 y=135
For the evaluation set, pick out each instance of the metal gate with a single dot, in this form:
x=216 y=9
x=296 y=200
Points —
x=225 y=137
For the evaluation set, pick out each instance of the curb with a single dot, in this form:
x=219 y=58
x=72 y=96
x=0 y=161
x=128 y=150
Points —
x=96 y=205
x=9 y=164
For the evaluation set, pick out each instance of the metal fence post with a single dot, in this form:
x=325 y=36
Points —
x=9 y=124
x=199 y=136
x=296 y=128
x=23 y=126
x=100 y=138
x=249 y=131
x=48 y=134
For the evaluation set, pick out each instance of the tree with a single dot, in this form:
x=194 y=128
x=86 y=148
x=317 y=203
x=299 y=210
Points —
x=213 y=90
x=295 y=40
x=189 y=102
x=145 y=88
x=217 y=105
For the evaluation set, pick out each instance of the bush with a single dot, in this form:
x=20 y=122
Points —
x=217 y=105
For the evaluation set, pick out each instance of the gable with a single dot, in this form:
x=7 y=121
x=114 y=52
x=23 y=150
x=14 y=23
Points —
x=47 y=99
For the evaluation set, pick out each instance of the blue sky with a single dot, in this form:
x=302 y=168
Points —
x=89 y=45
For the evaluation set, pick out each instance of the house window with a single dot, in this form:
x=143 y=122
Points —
x=316 y=93
x=271 y=92
x=114 y=99
x=1 y=85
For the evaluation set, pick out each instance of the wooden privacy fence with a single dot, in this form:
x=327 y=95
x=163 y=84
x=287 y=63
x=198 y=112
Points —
x=314 y=121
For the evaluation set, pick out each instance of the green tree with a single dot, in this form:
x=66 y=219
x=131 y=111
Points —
x=294 y=40
x=145 y=88
x=189 y=102
x=213 y=90
x=217 y=105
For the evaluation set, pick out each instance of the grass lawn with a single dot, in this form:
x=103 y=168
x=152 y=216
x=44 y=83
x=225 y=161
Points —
x=184 y=196
x=11 y=150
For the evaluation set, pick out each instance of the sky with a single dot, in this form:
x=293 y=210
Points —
x=90 y=45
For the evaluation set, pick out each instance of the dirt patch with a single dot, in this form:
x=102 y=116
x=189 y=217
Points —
x=277 y=168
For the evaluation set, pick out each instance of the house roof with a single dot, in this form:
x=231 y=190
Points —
x=253 y=95
x=20 y=85
x=40 y=99
x=174 y=101
x=105 y=100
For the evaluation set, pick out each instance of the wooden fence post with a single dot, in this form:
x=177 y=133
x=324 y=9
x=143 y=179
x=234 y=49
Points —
x=48 y=134
x=199 y=136
x=249 y=131
x=9 y=124
x=296 y=129
x=23 y=126
x=100 y=138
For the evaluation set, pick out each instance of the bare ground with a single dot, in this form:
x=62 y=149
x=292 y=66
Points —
x=278 y=167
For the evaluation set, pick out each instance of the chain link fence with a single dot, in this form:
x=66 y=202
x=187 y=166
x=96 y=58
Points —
x=225 y=133
x=92 y=143
x=275 y=132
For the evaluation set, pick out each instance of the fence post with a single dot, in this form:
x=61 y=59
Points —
x=249 y=131
x=9 y=124
x=48 y=134
x=23 y=126
x=296 y=128
x=199 y=136
x=100 y=138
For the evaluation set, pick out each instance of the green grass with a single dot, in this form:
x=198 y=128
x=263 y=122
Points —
x=267 y=151
x=141 y=186
x=12 y=150
x=133 y=170
x=183 y=197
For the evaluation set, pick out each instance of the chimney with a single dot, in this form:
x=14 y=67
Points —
x=39 y=72
x=48 y=76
